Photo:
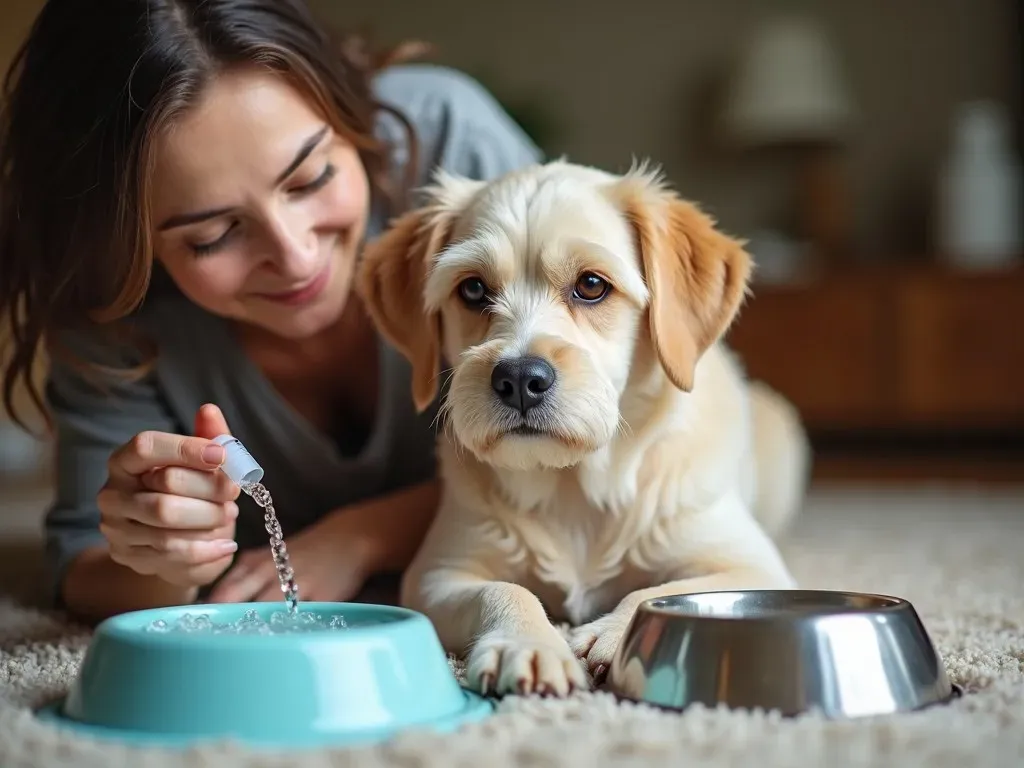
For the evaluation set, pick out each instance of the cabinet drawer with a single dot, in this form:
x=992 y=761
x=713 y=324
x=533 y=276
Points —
x=825 y=347
x=961 y=351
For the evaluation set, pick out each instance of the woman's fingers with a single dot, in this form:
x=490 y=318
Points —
x=196 y=484
x=200 y=574
x=166 y=511
x=151 y=450
x=250 y=576
x=210 y=422
x=182 y=546
x=162 y=510
x=160 y=551
x=243 y=589
x=148 y=561
x=270 y=594
x=181 y=554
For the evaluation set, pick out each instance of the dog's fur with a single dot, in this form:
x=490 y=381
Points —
x=657 y=469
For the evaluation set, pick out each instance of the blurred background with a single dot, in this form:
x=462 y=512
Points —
x=869 y=151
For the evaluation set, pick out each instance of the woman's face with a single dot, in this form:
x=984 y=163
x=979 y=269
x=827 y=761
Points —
x=259 y=207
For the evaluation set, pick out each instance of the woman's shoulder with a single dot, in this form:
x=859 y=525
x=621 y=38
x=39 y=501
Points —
x=430 y=94
x=459 y=125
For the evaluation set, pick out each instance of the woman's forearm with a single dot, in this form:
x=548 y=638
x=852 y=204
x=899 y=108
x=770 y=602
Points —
x=95 y=587
x=395 y=525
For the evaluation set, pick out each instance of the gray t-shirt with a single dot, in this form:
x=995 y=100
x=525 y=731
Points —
x=459 y=127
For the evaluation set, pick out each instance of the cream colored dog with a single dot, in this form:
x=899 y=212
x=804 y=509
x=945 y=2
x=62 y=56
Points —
x=601 y=446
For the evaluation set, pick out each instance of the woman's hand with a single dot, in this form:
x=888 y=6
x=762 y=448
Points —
x=166 y=510
x=331 y=560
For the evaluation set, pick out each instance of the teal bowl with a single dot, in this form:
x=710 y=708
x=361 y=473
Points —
x=385 y=672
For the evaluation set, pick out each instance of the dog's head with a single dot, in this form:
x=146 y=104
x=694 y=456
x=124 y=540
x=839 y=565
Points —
x=542 y=288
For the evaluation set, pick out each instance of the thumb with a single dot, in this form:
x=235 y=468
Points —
x=210 y=422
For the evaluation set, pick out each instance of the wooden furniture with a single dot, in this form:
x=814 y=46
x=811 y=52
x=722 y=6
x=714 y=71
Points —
x=919 y=361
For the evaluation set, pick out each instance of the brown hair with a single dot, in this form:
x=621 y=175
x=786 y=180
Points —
x=87 y=92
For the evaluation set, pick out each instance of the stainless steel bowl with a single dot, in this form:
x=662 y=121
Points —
x=844 y=654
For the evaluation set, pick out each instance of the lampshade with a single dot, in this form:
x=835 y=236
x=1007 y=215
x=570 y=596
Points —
x=788 y=88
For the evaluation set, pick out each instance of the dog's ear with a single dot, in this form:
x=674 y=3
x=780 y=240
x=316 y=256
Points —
x=393 y=273
x=696 y=275
x=391 y=279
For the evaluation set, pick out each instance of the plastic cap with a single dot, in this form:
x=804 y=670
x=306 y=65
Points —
x=238 y=464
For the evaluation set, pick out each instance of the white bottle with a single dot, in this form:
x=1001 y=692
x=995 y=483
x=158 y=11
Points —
x=238 y=464
x=979 y=211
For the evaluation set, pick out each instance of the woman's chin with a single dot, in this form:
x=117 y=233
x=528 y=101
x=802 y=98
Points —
x=292 y=323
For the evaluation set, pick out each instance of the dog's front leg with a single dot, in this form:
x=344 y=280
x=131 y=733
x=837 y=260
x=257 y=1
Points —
x=512 y=646
x=733 y=554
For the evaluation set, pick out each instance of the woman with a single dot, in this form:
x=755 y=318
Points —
x=186 y=186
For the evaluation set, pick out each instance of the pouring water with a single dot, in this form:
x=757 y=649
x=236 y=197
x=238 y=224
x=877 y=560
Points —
x=243 y=470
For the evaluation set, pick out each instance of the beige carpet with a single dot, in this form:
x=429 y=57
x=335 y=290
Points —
x=957 y=555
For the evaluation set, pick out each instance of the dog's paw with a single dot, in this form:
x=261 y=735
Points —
x=524 y=665
x=595 y=643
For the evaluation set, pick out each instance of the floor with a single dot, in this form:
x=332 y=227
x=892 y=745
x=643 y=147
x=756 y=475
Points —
x=953 y=550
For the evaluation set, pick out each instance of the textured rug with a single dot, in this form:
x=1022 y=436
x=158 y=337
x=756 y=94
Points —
x=958 y=555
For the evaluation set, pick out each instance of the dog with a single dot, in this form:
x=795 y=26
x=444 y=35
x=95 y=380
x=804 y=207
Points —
x=601 y=446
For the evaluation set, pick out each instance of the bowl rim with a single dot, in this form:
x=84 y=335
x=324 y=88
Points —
x=129 y=627
x=891 y=604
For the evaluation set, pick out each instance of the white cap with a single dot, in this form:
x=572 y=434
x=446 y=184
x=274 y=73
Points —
x=238 y=464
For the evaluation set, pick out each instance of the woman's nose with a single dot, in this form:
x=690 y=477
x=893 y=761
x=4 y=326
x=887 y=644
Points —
x=293 y=245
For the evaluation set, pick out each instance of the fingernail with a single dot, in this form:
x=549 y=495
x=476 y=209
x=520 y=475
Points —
x=225 y=545
x=213 y=454
x=232 y=510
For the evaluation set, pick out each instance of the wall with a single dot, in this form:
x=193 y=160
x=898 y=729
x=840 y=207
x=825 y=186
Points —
x=630 y=79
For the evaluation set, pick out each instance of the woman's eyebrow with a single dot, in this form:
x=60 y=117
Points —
x=305 y=151
x=184 y=219
x=307 y=148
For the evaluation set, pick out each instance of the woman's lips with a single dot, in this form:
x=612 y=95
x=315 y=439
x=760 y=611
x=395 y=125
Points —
x=303 y=294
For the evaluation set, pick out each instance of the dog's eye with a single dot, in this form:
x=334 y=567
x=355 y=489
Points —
x=590 y=287
x=473 y=291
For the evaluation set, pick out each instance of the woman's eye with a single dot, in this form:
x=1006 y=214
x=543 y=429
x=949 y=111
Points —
x=590 y=288
x=212 y=246
x=473 y=291
x=319 y=182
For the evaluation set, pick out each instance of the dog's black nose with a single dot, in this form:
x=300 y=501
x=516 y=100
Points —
x=520 y=383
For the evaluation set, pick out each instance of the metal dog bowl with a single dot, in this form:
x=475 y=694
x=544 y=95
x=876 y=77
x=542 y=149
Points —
x=844 y=654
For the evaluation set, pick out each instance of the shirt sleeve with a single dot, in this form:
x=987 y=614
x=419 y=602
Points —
x=91 y=419
x=459 y=125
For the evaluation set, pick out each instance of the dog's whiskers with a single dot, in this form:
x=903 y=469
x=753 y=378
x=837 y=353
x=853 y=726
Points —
x=444 y=410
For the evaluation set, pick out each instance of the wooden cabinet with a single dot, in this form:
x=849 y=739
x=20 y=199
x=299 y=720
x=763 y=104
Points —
x=961 y=351
x=892 y=349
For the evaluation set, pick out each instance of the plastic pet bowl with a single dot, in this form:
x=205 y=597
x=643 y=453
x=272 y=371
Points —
x=385 y=673
x=843 y=654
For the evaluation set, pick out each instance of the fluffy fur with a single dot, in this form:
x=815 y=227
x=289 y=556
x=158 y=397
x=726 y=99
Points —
x=651 y=467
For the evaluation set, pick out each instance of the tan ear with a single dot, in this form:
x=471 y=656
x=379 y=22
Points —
x=391 y=279
x=696 y=275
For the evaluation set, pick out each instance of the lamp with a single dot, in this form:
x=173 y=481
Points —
x=788 y=92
